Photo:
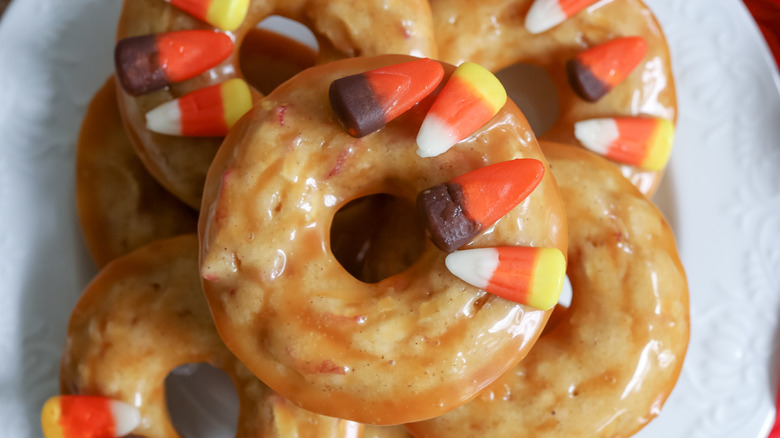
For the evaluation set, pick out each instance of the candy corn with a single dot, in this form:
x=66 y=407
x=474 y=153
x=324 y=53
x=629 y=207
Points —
x=595 y=72
x=546 y=14
x=208 y=112
x=456 y=211
x=639 y=141
x=83 y=416
x=224 y=14
x=525 y=275
x=469 y=99
x=150 y=62
x=367 y=101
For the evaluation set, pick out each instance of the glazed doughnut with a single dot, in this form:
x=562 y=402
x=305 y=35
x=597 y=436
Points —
x=121 y=206
x=607 y=366
x=143 y=316
x=494 y=34
x=411 y=346
x=342 y=28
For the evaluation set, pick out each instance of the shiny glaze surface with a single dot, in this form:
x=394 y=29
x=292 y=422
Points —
x=143 y=316
x=411 y=346
x=492 y=33
x=343 y=28
x=610 y=361
x=121 y=207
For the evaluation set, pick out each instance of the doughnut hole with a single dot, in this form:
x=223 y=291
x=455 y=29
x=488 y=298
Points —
x=562 y=308
x=534 y=92
x=277 y=50
x=202 y=401
x=376 y=236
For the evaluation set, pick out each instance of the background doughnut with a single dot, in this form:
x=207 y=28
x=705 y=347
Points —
x=493 y=34
x=343 y=28
x=120 y=206
x=607 y=366
x=143 y=316
x=317 y=336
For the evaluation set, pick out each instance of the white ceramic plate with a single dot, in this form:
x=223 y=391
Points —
x=721 y=195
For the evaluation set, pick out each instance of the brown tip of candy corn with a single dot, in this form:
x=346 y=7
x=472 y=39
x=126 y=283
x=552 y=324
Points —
x=137 y=65
x=584 y=82
x=445 y=221
x=355 y=106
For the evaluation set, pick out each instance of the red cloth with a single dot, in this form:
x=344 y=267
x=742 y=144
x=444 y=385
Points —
x=767 y=15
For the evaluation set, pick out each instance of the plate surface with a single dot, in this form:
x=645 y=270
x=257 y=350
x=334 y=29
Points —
x=721 y=195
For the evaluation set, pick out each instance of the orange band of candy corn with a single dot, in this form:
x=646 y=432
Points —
x=595 y=72
x=207 y=112
x=639 y=141
x=454 y=213
x=82 y=416
x=470 y=98
x=546 y=14
x=367 y=101
x=526 y=275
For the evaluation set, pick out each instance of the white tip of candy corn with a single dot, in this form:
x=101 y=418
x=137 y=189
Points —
x=544 y=15
x=165 y=119
x=474 y=266
x=435 y=137
x=597 y=134
x=126 y=417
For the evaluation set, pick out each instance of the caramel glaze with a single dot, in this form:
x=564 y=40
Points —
x=492 y=33
x=120 y=206
x=144 y=315
x=609 y=364
x=412 y=346
x=343 y=28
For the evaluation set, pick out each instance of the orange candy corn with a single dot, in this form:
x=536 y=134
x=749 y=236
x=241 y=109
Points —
x=595 y=72
x=457 y=211
x=208 y=112
x=546 y=14
x=639 y=141
x=83 y=416
x=150 y=62
x=469 y=99
x=224 y=14
x=525 y=275
x=367 y=101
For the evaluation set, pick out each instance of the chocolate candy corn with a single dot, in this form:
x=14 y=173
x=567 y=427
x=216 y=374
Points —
x=208 y=112
x=150 y=62
x=525 y=275
x=469 y=99
x=546 y=14
x=639 y=141
x=367 y=101
x=224 y=14
x=596 y=71
x=83 y=416
x=456 y=211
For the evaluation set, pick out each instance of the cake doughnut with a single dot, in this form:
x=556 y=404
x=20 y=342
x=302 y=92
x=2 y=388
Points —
x=610 y=361
x=343 y=28
x=121 y=206
x=143 y=316
x=495 y=34
x=411 y=346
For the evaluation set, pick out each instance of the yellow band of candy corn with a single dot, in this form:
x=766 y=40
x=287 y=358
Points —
x=227 y=14
x=547 y=281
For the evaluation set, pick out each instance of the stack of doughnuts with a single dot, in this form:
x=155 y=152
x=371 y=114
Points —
x=381 y=239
